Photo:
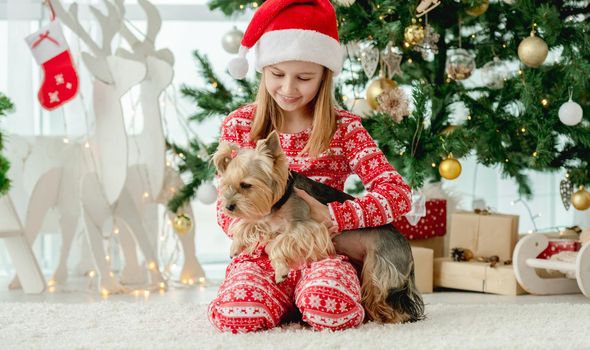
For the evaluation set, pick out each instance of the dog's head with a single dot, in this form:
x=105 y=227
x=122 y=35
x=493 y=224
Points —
x=252 y=180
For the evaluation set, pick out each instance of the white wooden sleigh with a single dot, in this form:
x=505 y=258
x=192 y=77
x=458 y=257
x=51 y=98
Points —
x=525 y=263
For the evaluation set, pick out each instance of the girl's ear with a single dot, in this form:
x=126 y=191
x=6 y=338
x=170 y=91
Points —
x=226 y=151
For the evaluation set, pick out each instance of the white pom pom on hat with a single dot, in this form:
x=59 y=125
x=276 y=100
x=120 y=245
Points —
x=290 y=30
x=238 y=66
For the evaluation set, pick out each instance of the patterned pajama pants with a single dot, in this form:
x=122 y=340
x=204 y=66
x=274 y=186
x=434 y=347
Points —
x=327 y=294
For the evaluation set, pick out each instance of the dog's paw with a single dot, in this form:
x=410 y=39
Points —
x=280 y=277
x=281 y=273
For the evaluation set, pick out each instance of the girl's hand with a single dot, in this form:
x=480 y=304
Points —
x=319 y=212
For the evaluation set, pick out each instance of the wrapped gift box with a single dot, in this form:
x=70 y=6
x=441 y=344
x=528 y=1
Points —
x=423 y=268
x=484 y=234
x=437 y=245
x=476 y=276
x=432 y=225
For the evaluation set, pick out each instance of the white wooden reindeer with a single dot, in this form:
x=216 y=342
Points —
x=148 y=167
x=55 y=178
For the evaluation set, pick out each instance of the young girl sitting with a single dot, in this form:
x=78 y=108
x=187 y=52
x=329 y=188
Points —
x=298 y=53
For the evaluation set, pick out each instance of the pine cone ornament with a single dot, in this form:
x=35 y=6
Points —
x=461 y=254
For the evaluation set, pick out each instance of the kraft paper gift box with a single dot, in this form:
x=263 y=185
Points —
x=484 y=234
x=437 y=244
x=476 y=276
x=423 y=267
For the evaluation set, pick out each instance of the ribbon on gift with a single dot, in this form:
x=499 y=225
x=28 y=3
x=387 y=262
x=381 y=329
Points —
x=42 y=37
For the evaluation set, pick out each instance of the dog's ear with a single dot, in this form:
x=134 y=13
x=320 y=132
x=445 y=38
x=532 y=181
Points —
x=272 y=143
x=225 y=153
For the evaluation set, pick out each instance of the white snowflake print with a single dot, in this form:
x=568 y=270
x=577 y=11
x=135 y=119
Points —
x=240 y=294
x=402 y=206
x=299 y=144
x=349 y=145
x=69 y=86
x=330 y=304
x=361 y=137
x=314 y=301
x=374 y=163
x=54 y=97
x=347 y=217
x=333 y=166
x=371 y=208
x=256 y=296
x=59 y=79
x=343 y=307
x=226 y=297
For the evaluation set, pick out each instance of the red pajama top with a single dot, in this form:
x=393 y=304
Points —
x=352 y=150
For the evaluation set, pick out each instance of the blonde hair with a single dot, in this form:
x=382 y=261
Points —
x=269 y=116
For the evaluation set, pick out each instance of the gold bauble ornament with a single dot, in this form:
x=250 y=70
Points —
x=581 y=199
x=533 y=51
x=450 y=168
x=478 y=10
x=414 y=34
x=182 y=224
x=376 y=88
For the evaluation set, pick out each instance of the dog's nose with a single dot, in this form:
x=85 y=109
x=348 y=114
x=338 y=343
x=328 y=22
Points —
x=230 y=207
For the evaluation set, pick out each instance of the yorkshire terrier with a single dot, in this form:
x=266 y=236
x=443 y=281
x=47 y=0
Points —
x=256 y=186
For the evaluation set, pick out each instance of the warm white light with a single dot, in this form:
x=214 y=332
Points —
x=162 y=285
x=66 y=140
x=152 y=266
x=92 y=273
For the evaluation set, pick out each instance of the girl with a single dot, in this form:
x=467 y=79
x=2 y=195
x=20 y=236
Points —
x=298 y=53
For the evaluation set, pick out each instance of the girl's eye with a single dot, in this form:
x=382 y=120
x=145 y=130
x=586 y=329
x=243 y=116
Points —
x=304 y=79
x=277 y=74
x=245 y=186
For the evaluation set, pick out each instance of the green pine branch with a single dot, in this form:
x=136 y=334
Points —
x=5 y=107
x=515 y=128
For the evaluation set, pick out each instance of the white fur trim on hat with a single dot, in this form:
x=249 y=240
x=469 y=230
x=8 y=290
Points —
x=298 y=45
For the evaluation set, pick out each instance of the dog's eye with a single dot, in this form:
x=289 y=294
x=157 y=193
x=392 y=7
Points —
x=244 y=185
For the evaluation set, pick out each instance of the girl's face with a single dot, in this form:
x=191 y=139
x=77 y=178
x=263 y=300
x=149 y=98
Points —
x=293 y=84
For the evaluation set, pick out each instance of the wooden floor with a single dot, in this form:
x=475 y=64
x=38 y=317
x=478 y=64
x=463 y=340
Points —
x=81 y=290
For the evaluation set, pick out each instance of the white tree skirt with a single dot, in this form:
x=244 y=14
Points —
x=139 y=325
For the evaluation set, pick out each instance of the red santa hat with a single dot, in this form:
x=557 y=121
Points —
x=291 y=30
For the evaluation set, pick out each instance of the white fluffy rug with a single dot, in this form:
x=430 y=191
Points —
x=129 y=325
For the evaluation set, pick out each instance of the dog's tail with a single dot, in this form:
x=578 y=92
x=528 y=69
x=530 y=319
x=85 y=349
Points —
x=390 y=295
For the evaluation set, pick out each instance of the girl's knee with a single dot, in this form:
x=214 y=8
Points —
x=327 y=309
x=239 y=319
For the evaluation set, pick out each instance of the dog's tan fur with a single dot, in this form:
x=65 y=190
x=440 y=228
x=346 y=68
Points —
x=253 y=180
x=291 y=237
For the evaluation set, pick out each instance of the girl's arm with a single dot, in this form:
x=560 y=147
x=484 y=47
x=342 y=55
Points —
x=387 y=197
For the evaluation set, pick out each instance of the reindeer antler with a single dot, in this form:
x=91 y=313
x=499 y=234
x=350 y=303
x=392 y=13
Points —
x=109 y=25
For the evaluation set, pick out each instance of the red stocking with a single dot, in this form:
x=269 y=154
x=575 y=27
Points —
x=60 y=81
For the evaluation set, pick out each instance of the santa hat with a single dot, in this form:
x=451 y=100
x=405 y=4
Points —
x=291 y=30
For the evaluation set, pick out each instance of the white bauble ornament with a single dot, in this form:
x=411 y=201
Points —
x=360 y=107
x=232 y=40
x=570 y=113
x=345 y=3
x=207 y=193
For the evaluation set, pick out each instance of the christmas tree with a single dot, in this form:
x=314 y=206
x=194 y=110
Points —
x=521 y=110
x=5 y=106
